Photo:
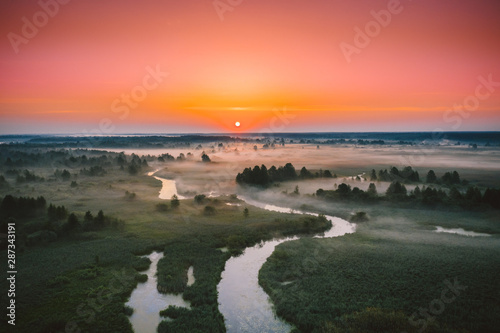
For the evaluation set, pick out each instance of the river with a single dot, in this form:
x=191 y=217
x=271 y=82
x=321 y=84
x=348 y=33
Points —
x=147 y=302
x=243 y=303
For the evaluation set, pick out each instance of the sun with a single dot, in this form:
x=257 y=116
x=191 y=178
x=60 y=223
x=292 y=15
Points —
x=237 y=124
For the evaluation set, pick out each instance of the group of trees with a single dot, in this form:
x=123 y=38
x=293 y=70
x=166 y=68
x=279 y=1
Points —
x=448 y=179
x=62 y=174
x=57 y=213
x=407 y=174
x=182 y=157
x=27 y=176
x=89 y=223
x=169 y=158
x=263 y=176
x=397 y=192
x=39 y=223
x=21 y=207
x=344 y=192
x=95 y=171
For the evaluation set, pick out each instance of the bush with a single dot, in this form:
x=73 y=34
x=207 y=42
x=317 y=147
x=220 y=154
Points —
x=199 y=198
x=127 y=310
x=359 y=217
x=162 y=207
x=141 y=278
x=209 y=211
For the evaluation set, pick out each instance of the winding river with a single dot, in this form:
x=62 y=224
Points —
x=243 y=303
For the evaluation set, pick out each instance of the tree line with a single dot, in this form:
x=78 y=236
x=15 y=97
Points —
x=408 y=175
x=39 y=223
x=397 y=192
x=263 y=176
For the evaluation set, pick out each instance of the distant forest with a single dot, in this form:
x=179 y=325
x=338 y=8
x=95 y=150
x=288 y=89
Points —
x=472 y=139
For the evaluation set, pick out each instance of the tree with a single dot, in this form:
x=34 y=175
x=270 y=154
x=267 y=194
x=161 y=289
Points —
x=245 y=212
x=8 y=206
x=447 y=179
x=199 y=198
x=174 y=202
x=327 y=174
x=372 y=189
x=417 y=193
x=455 y=195
x=305 y=174
x=133 y=169
x=431 y=177
x=396 y=191
x=473 y=196
x=395 y=172
x=99 y=220
x=492 y=197
x=296 y=191
x=344 y=190
x=263 y=176
x=373 y=175
x=205 y=158
x=72 y=223
x=65 y=175
x=88 y=217
x=289 y=171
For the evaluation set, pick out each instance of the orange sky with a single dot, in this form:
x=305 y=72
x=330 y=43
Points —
x=262 y=58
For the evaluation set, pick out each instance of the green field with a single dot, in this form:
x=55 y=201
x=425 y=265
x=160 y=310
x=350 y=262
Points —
x=379 y=279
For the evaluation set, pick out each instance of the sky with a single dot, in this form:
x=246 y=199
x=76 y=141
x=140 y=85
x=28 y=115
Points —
x=107 y=67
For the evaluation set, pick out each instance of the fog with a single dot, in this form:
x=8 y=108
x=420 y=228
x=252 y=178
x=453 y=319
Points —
x=218 y=177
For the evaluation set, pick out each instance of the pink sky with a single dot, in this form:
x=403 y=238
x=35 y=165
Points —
x=263 y=56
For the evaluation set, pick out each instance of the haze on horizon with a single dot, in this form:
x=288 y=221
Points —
x=290 y=66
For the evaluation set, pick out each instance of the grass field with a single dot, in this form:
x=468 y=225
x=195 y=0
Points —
x=384 y=275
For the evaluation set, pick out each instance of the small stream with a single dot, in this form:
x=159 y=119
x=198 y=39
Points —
x=147 y=302
x=168 y=188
